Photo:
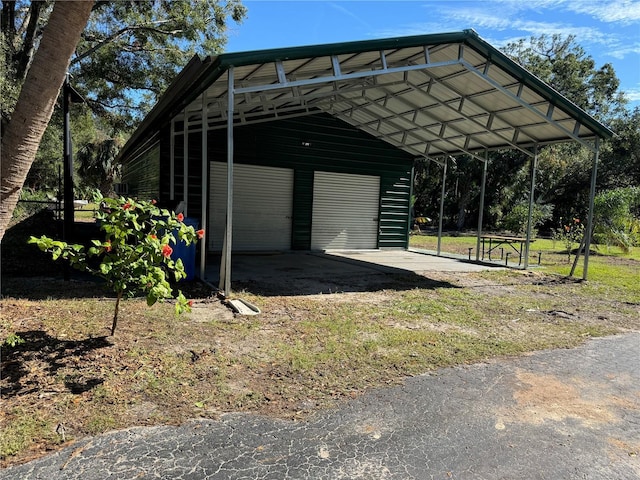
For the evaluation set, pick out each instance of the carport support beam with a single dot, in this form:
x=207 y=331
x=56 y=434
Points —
x=534 y=167
x=204 y=189
x=444 y=180
x=481 y=211
x=185 y=164
x=225 y=260
x=592 y=195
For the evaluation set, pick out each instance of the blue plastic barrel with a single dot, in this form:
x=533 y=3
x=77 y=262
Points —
x=186 y=253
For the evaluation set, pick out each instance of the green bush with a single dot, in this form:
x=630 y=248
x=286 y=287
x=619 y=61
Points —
x=617 y=218
x=516 y=220
x=136 y=253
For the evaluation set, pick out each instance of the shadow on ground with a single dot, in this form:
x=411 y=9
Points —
x=52 y=355
x=308 y=273
x=289 y=286
x=31 y=274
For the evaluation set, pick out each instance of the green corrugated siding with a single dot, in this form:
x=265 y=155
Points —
x=143 y=174
x=302 y=209
x=394 y=211
x=321 y=142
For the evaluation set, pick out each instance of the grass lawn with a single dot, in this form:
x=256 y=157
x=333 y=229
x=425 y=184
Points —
x=604 y=262
x=70 y=379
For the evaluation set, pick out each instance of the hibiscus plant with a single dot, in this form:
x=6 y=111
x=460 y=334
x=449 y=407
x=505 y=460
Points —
x=135 y=255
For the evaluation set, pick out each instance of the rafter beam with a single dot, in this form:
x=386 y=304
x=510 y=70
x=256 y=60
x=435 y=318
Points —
x=547 y=117
x=399 y=129
x=284 y=83
x=492 y=115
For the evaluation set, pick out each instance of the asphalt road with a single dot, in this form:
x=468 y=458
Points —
x=560 y=414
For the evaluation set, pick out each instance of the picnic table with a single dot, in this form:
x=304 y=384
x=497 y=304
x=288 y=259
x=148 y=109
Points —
x=496 y=241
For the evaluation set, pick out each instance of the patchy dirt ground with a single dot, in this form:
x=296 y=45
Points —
x=69 y=378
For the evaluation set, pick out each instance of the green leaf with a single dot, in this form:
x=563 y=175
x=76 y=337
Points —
x=151 y=300
x=105 y=268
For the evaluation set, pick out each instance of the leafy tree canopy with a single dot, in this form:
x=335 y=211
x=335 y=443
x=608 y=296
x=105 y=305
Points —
x=564 y=64
x=128 y=53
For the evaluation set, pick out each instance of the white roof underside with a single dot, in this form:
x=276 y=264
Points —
x=431 y=96
x=430 y=101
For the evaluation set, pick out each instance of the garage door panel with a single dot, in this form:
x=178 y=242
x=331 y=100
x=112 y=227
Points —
x=262 y=207
x=345 y=211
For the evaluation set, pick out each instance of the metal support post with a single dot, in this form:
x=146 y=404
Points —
x=225 y=262
x=534 y=167
x=444 y=181
x=481 y=210
x=185 y=164
x=592 y=195
x=69 y=95
x=204 y=199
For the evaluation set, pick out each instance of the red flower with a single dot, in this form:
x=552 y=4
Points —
x=167 y=251
x=153 y=202
x=576 y=220
x=153 y=237
x=126 y=206
x=180 y=217
x=190 y=303
x=200 y=233
x=107 y=246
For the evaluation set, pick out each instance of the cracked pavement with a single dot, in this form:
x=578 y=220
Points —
x=557 y=414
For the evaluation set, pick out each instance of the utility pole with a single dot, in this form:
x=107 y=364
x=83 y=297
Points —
x=70 y=95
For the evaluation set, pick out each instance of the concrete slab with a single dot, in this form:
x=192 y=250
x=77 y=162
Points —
x=413 y=260
x=300 y=273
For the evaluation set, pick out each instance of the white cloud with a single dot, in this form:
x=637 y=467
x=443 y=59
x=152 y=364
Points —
x=609 y=11
x=620 y=51
x=633 y=94
x=617 y=11
x=349 y=13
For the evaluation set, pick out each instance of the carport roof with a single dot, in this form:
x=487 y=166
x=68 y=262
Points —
x=430 y=95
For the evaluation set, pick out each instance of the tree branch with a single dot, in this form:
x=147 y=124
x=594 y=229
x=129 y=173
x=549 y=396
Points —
x=122 y=31
x=24 y=56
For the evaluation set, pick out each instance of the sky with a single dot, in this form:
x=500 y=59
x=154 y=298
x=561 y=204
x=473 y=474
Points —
x=608 y=30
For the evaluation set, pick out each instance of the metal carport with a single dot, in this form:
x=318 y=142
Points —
x=434 y=96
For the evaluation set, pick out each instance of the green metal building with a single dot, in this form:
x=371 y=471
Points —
x=317 y=143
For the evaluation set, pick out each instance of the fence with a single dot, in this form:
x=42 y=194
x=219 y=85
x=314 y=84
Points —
x=27 y=208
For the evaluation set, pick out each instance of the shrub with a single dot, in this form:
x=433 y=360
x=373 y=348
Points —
x=617 y=218
x=569 y=233
x=516 y=220
x=135 y=256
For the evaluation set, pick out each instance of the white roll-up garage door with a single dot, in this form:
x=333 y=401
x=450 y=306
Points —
x=262 y=207
x=345 y=211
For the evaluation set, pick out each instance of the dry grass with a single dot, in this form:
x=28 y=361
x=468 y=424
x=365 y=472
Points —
x=70 y=379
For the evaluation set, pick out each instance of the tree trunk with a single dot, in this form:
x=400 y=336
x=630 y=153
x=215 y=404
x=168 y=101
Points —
x=115 y=313
x=37 y=99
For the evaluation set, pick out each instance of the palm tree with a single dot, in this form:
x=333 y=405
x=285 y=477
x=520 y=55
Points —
x=37 y=99
x=97 y=164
